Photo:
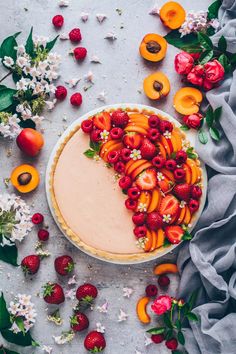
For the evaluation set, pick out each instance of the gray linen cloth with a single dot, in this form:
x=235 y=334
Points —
x=209 y=261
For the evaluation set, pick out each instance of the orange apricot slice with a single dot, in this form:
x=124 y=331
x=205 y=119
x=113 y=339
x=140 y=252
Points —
x=144 y=198
x=132 y=165
x=181 y=216
x=162 y=150
x=156 y=85
x=116 y=146
x=168 y=174
x=139 y=122
x=154 y=240
x=155 y=201
x=172 y=14
x=187 y=100
x=148 y=242
x=25 y=178
x=106 y=146
x=187 y=216
x=165 y=268
x=153 y=47
x=166 y=145
x=188 y=173
x=134 y=117
x=178 y=140
x=160 y=238
x=141 y=310
x=194 y=172
x=136 y=129
x=140 y=169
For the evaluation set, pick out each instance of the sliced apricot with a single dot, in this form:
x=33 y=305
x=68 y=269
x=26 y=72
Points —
x=155 y=201
x=148 y=242
x=138 y=117
x=188 y=173
x=165 y=268
x=153 y=47
x=160 y=238
x=194 y=172
x=144 y=198
x=178 y=140
x=154 y=240
x=187 y=100
x=136 y=129
x=187 y=216
x=172 y=14
x=132 y=165
x=25 y=178
x=181 y=216
x=116 y=146
x=168 y=148
x=141 y=309
x=168 y=174
x=162 y=150
x=140 y=169
x=156 y=85
x=106 y=146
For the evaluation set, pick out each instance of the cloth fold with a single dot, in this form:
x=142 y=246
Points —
x=208 y=262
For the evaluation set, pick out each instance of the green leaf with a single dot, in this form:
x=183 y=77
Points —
x=209 y=116
x=90 y=153
x=169 y=334
x=181 y=338
x=124 y=191
x=217 y=113
x=233 y=58
x=205 y=41
x=8 y=47
x=20 y=323
x=5 y=321
x=223 y=59
x=167 y=243
x=6 y=97
x=159 y=330
x=51 y=44
x=176 y=352
x=193 y=299
x=206 y=56
x=191 y=316
x=167 y=320
x=214 y=133
x=8 y=254
x=186 y=308
x=184 y=127
x=188 y=41
x=222 y=44
x=95 y=145
x=29 y=47
x=191 y=154
x=7 y=351
x=178 y=324
x=202 y=136
x=17 y=338
x=213 y=9
x=186 y=236
x=28 y=123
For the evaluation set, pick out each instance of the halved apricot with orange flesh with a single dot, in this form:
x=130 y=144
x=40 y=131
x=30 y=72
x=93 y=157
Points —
x=25 y=178
x=172 y=14
x=156 y=85
x=153 y=47
x=141 y=309
x=165 y=268
x=187 y=100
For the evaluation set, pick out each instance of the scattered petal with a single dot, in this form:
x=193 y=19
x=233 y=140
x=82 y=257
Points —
x=47 y=349
x=103 y=308
x=84 y=16
x=70 y=294
x=110 y=36
x=72 y=280
x=100 y=328
x=63 y=3
x=101 y=17
x=122 y=316
x=102 y=96
x=51 y=104
x=127 y=292
x=147 y=340
x=95 y=59
x=64 y=338
x=155 y=10
x=89 y=77
x=64 y=36
x=72 y=82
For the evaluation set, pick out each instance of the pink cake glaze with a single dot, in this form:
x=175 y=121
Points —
x=91 y=201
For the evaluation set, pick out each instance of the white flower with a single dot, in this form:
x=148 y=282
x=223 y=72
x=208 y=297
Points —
x=160 y=176
x=9 y=125
x=135 y=154
x=14 y=328
x=40 y=41
x=22 y=84
x=101 y=17
x=63 y=3
x=23 y=308
x=96 y=157
x=137 y=352
x=51 y=104
x=55 y=318
x=37 y=120
x=182 y=204
x=72 y=280
x=166 y=218
x=147 y=340
x=47 y=349
x=127 y=292
x=155 y=10
x=142 y=207
x=100 y=328
x=64 y=36
x=84 y=16
x=8 y=62
x=102 y=96
x=70 y=294
x=122 y=316
x=103 y=308
x=72 y=82
x=110 y=36
x=167 y=134
x=104 y=135
x=22 y=62
x=64 y=338
x=89 y=77
x=215 y=23
x=194 y=22
x=20 y=50
x=95 y=59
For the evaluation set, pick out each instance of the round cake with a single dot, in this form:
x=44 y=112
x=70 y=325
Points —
x=125 y=185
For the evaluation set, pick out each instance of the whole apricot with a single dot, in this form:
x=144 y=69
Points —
x=30 y=141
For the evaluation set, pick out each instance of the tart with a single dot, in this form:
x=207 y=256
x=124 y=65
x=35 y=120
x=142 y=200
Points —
x=125 y=185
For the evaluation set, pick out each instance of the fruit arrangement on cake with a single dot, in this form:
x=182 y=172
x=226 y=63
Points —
x=146 y=192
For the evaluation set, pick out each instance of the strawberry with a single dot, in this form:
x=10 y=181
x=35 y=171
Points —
x=169 y=205
x=30 y=264
x=139 y=218
x=147 y=180
x=95 y=342
x=53 y=293
x=154 y=221
x=119 y=119
x=148 y=149
x=132 y=140
x=79 y=322
x=64 y=265
x=102 y=121
x=174 y=233
x=86 y=293
x=182 y=191
x=165 y=186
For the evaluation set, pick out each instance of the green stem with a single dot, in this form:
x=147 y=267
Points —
x=4 y=77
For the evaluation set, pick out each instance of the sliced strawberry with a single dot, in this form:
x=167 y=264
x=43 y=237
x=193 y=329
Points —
x=182 y=191
x=102 y=121
x=174 y=234
x=169 y=205
x=147 y=180
x=132 y=140
x=164 y=186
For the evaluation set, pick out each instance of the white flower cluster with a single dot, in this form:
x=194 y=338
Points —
x=197 y=21
x=64 y=338
x=15 y=219
x=9 y=127
x=23 y=310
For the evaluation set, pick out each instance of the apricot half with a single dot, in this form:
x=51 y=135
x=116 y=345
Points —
x=172 y=14
x=25 y=178
x=187 y=100
x=156 y=85
x=141 y=310
x=165 y=268
x=153 y=47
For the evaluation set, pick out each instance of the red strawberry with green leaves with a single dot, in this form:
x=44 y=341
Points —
x=30 y=264
x=147 y=180
x=102 y=121
x=79 y=322
x=86 y=293
x=95 y=342
x=169 y=206
x=174 y=233
x=132 y=140
x=182 y=191
x=148 y=149
x=53 y=293
x=64 y=265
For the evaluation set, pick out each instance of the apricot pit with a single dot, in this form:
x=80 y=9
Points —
x=153 y=47
x=156 y=85
x=187 y=100
x=172 y=14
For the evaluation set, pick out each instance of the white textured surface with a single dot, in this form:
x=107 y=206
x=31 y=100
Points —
x=120 y=75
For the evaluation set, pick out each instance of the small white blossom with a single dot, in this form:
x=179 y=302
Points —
x=47 y=349
x=8 y=62
x=22 y=308
x=137 y=352
x=64 y=338
x=160 y=176
x=140 y=243
x=89 y=77
x=72 y=82
x=9 y=125
x=103 y=308
x=51 y=104
x=55 y=318
x=95 y=59
x=182 y=204
x=127 y=292
x=194 y=22
x=64 y=36
x=63 y=3
x=215 y=23
x=72 y=280
x=155 y=10
x=142 y=207
x=84 y=16
x=100 y=328
x=135 y=154
x=96 y=157
x=122 y=316
x=167 y=134
x=101 y=17
x=104 y=135
x=147 y=340
x=110 y=36
x=70 y=294
x=102 y=96
x=166 y=218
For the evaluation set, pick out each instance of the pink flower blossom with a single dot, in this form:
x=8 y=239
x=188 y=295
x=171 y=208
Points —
x=161 y=304
x=196 y=75
x=193 y=120
x=214 y=71
x=183 y=63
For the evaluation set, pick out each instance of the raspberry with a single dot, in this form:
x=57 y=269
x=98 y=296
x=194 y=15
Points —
x=139 y=218
x=116 y=133
x=163 y=281
x=58 y=21
x=153 y=121
x=153 y=134
x=37 y=219
x=165 y=125
x=158 y=161
x=140 y=231
x=157 y=338
x=119 y=119
x=95 y=135
x=87 y=126
x=76 y=99
x=179 y=174
x=75 y=35
x=151 y=290
x=119 y=167
x=133 y=193
x=181 y=157
x=60 y=93
x=125 y=154
x=172 y=344
x=196 y=192
x=125 y=182
x=80 y=53
x=193 y=205
x=171 y=165
x=113 y=156
x=43 y=235
x=131 y=204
